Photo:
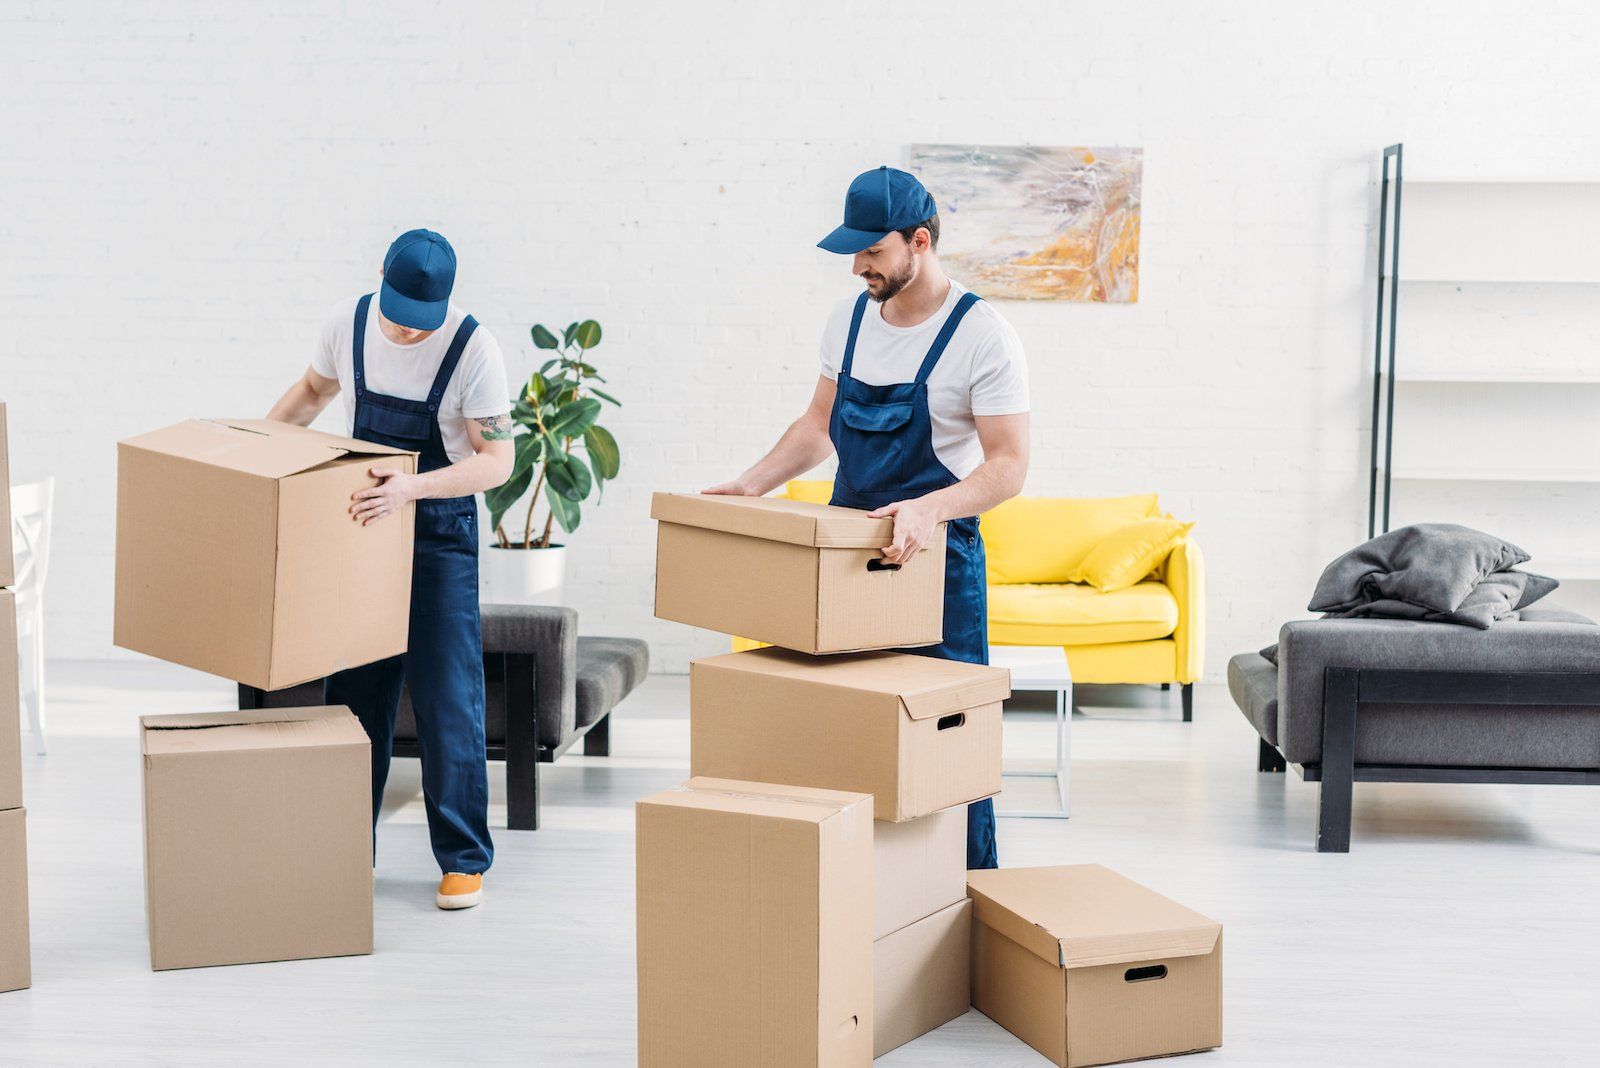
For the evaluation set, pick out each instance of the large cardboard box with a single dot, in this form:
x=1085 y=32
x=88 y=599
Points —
x=919 y=867
x=10 y=706
x=15 y=972
x=804 y=576
x=1089 y=967
x=755 y=926
x=8 y=572
x=918 y=733
x=237 y=555
x=920 y=976
x=257 y=836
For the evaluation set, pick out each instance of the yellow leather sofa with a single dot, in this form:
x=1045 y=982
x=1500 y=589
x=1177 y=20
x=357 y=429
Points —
x=1150 y=633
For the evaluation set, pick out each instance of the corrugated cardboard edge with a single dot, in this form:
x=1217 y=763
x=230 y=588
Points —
x=941 y=701
x=709 y=513
x=8 y=574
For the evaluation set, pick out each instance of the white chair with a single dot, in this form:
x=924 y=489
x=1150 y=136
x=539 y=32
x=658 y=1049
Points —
x=31 y=507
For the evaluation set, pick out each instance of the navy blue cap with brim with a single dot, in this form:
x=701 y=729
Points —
x=419 y=272
x=878 y=203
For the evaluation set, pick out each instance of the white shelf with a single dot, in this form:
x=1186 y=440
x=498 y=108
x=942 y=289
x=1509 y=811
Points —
x=1505 y=280
x=1506 y=378
x=1485 y=474
x=1527 y=183
x=1470 y=232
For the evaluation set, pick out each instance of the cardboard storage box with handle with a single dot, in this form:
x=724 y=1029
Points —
x=1088 y=967
x=257 y=836
x=754 y=927
x=14 y=965
x=804 y=576
x=920 y=977
x=10 y=706
x=918 y=733
x=237 y=555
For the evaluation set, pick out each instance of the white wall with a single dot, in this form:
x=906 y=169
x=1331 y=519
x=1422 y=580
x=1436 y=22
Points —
x=187 y=188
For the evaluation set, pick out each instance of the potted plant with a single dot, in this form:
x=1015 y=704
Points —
x=562 y=456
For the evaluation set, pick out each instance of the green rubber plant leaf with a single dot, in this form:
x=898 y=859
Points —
x=572 y=419
x=566 y=336
x=603 y=395
x=588 y=334
x=543 y=338
x=604 y=456
x=566 y=511
x=571 y=479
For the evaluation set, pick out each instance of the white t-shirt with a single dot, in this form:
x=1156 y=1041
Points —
x=476 y=390
x=983 y=370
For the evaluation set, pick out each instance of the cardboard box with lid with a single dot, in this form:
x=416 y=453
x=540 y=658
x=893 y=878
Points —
x=1089 y=967
x=919 y=733
x=755 y=911
x=804 y=576
x=15 y=971
x=237 y=555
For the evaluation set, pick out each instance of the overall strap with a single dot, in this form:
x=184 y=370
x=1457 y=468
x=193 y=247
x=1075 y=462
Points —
x=358 y=344
x=452 y=356
x=945 y=333
x=855 y=330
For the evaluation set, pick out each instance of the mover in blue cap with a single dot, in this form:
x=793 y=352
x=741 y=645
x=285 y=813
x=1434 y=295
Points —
x=419 y=373
x=923 y=397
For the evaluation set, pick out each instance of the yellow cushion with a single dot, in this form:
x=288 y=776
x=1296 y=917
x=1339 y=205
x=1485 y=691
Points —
x=1072 y=614
x=1125 y=662
x=1041 y=539
x=1129 y=554
x=812 y=490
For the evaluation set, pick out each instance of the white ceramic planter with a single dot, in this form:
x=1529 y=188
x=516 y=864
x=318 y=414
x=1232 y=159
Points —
x=521 y=576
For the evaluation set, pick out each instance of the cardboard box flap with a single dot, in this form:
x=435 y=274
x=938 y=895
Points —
x=775 y=519
x=923 y=686
x=254 y=446
x=267 y=728
x=1085 y=915
x=762 y=798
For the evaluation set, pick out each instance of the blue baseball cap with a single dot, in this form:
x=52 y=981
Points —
x=418 y=273
x=879 y=203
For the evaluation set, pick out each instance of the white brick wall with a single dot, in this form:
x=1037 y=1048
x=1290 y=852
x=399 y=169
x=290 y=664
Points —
x=188 y=187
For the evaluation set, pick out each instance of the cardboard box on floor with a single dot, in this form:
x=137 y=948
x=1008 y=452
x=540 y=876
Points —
x=804 y=576
x=10 y=706
x=1089 y=967
x=257 y=836
x=15 y=971
x=8 y=571
x=918 y=733
x=920 y=976
x=236 y=553
x=919 y=867
x=754 y=926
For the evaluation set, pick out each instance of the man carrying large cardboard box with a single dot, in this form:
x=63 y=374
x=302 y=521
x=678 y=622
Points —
x=418 y=373
x=924 y=397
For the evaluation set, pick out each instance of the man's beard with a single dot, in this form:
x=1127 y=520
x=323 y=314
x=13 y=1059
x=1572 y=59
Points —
x=894 y=283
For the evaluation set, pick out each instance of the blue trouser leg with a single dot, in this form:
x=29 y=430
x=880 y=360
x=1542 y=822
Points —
x=966 y=637
x=372 y=692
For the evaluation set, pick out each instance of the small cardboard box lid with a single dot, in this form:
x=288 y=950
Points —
x=265 y=728
x=923 y=686
x=1085 y=915
x=260 y=447
x=775 y=519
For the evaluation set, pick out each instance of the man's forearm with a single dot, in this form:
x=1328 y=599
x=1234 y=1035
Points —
x=476 y=473
x=995 y=480
x=300 y=405
x=803 y=446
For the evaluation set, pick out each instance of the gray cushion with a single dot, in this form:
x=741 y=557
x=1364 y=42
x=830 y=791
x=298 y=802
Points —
x=1546 y=638
x=608 y=671
x=1253 y=682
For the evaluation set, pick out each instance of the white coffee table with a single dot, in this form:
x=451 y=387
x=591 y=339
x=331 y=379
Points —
x=1043 y=668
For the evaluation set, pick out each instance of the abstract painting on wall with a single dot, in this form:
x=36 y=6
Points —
x=1024 y=223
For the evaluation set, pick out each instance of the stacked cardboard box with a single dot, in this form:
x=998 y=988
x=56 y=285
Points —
x=236 y=554
x=918 y=736
x=15 y=966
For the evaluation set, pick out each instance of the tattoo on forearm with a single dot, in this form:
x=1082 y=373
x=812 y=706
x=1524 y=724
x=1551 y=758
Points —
x=495 y=427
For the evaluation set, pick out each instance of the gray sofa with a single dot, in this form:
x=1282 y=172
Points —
x=546 y=688
x=1384 y=700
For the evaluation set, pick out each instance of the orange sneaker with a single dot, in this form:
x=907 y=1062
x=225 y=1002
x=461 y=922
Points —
x=457 y=891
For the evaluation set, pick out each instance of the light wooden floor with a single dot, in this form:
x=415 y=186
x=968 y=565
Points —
x=1464 y=928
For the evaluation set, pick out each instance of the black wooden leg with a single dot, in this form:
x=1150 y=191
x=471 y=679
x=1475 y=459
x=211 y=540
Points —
x=250 y=697
x=1165 y=686
x=522 y=747
x=1339 y=689
x=598 y=741
x=1188 y=702
x=1269 y=759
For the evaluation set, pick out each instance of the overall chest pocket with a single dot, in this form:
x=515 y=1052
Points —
x=874 y=444
x=393 y=422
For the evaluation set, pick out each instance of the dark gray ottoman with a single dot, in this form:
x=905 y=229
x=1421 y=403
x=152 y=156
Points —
x=1383 y=700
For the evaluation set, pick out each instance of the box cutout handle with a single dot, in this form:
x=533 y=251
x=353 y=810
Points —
x=950 y=722
x=848 y=1027
x=878 y=563
x=1148 y=972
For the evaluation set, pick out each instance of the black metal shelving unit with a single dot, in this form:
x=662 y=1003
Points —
x=1383 y=383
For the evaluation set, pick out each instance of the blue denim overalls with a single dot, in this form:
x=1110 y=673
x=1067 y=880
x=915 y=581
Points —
x=884 y=438
x=443 y=662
